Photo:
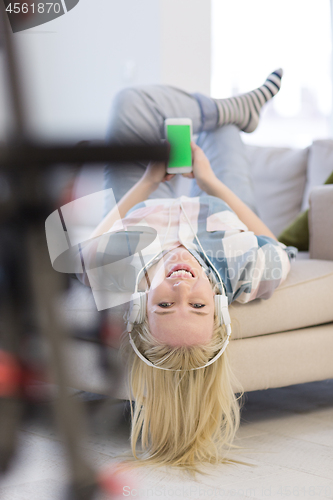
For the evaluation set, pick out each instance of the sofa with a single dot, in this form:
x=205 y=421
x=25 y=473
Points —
x=285 y=340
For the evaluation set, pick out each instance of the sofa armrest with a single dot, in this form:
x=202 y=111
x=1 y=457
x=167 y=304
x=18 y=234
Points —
x=321 y=222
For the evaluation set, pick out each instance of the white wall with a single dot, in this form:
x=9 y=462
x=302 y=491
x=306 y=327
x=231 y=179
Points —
x=75 y=64
x=186 y=44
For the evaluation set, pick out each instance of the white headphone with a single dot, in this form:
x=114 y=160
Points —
x=139 y=303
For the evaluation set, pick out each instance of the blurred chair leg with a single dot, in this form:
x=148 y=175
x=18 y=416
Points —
x=46 y=285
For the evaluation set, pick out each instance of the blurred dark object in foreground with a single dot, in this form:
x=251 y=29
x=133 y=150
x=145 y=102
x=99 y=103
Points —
x=29 y=286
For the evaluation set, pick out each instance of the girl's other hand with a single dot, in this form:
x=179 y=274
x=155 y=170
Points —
x=202 y=171
x=156 y=173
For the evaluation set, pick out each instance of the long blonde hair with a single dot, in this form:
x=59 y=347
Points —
x=187 y=417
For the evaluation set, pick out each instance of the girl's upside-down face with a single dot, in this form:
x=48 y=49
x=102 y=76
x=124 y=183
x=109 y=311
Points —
x=180 y=302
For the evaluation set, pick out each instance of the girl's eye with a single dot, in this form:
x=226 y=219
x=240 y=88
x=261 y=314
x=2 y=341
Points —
x=168 y=304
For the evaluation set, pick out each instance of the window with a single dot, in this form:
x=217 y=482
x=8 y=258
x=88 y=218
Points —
x=251 y=39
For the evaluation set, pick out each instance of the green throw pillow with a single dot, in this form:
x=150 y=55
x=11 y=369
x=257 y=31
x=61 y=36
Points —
x=297 y=233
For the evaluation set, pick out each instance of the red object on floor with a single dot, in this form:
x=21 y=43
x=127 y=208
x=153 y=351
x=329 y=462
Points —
x=116 y=480
x=10 y=375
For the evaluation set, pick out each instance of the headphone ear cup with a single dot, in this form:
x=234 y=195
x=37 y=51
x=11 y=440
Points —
x=138 y=308
x=222 y=311
x=143 y=305
x=218 y=308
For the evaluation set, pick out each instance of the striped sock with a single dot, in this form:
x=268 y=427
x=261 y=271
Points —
x=244 y=110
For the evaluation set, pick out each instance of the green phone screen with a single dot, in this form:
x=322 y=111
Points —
x=179 y=137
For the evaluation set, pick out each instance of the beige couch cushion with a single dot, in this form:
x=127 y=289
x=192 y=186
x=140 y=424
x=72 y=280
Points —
x=320 y=166
x=304 y=299
x=279 y=178
x=321 y=222
x=282 y=359
x=259 y=363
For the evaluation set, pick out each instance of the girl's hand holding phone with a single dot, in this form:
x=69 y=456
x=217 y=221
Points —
x=202 y=171
x=156 y=173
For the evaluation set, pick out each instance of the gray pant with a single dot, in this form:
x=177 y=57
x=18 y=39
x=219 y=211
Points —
x=138 y=116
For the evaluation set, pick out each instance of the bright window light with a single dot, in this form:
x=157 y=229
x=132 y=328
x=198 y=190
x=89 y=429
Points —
x=253 y=38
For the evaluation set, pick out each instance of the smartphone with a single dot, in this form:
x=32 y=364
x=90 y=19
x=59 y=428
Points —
x=178 y=132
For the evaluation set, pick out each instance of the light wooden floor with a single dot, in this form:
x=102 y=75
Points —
x=287 y=434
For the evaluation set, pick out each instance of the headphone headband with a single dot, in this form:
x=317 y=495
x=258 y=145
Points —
x=149 y=363
x=137 y=316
